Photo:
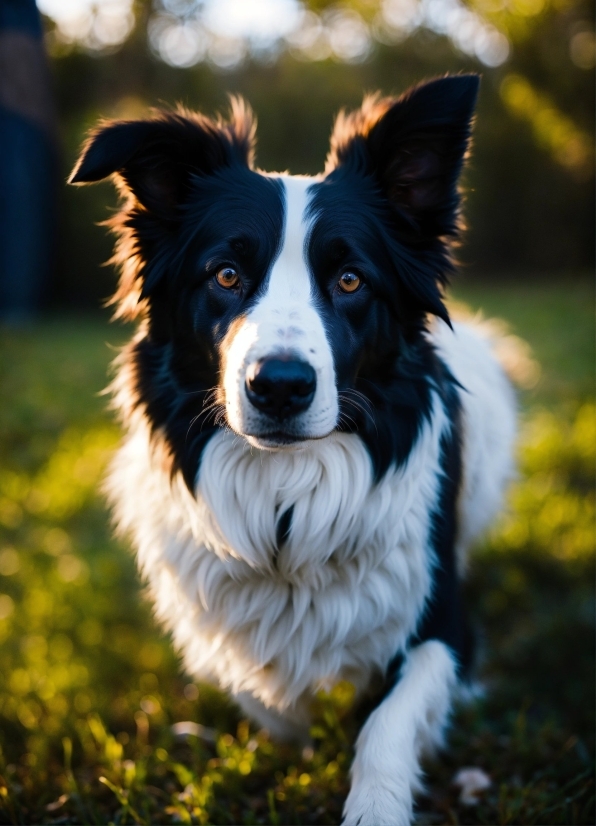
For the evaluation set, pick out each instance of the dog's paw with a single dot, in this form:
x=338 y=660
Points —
x=377 y=805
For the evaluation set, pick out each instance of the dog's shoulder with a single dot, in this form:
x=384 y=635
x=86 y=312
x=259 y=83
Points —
x=488 y=422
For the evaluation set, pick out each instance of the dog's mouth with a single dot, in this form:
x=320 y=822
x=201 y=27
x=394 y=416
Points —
x=279 y=440
x=278 y=437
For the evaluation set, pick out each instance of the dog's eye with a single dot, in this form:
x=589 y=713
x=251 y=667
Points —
x=349 y=282
x=227 y=278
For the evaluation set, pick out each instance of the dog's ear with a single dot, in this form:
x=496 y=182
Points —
x=157 y=160
x=414 y=146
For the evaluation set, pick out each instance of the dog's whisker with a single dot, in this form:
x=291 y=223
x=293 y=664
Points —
x=206 y=392
x=344 y=419
x=214 y=411
x=366 y=411
x=359 y=396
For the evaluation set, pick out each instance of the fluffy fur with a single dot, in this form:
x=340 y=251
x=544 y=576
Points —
x=308 y=456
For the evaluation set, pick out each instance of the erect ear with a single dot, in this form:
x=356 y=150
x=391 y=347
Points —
x=155 y=160
x=415 y=146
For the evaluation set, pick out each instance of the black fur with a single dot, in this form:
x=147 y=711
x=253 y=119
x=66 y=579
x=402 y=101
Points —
x=383 y=364
x=195 y=205
x=444 y=617
x=386 y=208
x=384 y=211
x=236 y=218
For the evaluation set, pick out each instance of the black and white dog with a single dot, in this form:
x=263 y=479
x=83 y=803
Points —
x=312 y=446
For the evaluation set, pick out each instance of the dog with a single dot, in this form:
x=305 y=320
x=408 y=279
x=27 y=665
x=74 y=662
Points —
x=312 y=445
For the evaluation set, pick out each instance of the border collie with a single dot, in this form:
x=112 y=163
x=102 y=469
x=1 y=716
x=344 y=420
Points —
x=312 y=444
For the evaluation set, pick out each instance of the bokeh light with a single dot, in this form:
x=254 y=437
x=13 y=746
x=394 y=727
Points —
x=177 y=42
x=464 y=27
x=582 y=49
x=183 y=33
x=554 y=131
x=262 y=22
x=96 y=26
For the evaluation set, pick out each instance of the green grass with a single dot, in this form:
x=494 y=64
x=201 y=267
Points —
x=90 y=687
x=557 y=319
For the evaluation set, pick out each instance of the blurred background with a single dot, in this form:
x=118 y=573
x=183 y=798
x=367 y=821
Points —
x=530 y=205
x=98 y=723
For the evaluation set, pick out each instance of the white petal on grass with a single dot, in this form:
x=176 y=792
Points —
x=472 y=782
x=188 y=727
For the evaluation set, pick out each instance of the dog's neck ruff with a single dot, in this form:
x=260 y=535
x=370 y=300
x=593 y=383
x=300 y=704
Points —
x=335 y=600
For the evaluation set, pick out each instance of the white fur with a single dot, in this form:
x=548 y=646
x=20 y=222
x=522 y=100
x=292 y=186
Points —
x=284 y=320
x=407 y=724
x=336 y=602
x=344 y=593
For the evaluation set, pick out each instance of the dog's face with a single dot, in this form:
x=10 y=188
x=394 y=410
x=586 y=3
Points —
x=255 y=308
x=287 y=307
x=278 y=376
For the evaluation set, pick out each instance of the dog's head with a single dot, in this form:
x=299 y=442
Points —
x=286 y=307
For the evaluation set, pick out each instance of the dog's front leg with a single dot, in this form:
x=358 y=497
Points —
x=409 y=721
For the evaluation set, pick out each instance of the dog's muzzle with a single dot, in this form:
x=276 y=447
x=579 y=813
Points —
x=280 y=387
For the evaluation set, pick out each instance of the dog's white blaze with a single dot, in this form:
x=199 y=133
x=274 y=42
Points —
x=289 y=283
x=284 y=320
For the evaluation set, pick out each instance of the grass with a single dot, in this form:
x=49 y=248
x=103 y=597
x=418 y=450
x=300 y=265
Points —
x=90 y=689
x=556 y=317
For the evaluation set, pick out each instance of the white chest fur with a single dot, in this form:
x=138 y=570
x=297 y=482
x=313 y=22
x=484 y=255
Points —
x=338 y=600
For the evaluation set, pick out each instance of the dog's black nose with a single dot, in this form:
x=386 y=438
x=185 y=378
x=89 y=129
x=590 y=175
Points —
x=280 y=387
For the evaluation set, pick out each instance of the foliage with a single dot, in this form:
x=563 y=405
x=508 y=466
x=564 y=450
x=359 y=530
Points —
x=97 y=722
x=553 y=131
x=530 y=205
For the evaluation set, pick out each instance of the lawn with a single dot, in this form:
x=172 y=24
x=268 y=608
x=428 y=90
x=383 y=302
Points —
x=91 y=690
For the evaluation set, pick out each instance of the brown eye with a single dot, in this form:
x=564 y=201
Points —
x=349 y=282
x=227 y=278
